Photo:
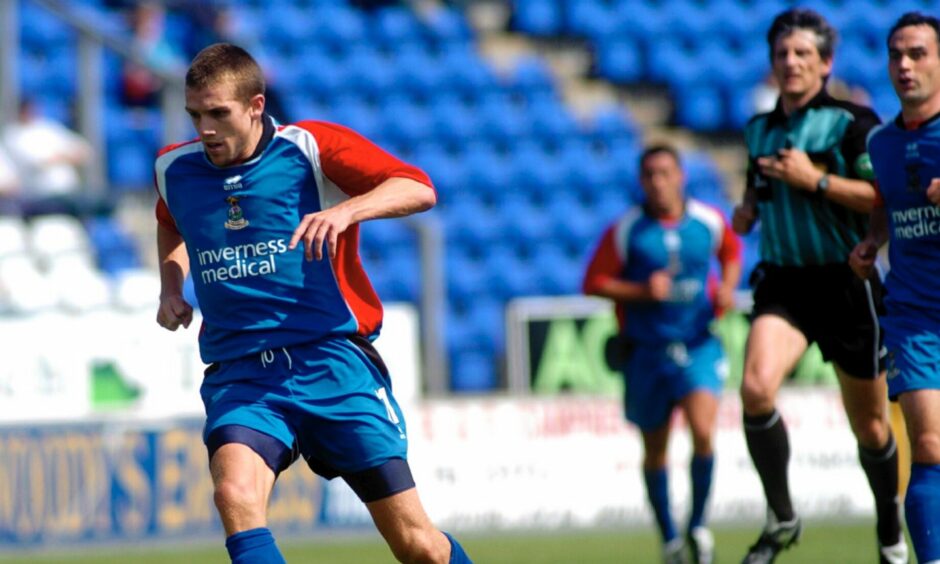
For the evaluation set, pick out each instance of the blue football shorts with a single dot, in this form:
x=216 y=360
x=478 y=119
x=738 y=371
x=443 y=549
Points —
x=913 y=344
x=657 y=377
x=329 y=401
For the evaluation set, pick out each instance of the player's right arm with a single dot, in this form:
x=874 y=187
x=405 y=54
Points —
x=745 y=214
x=603 y=277
x=174 y=266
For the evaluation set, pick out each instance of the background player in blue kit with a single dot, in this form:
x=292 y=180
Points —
x=654 y=263
x=906 y=158
x=287 y=331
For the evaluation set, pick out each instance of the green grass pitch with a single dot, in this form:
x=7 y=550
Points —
x=822 y=543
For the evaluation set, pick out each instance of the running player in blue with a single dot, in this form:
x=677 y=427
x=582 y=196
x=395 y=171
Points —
x=906 y=158
x=654 y=263
x=265 y=217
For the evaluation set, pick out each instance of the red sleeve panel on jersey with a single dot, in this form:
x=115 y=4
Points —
x=355 y=284
x=163 y=216
x=730 y=248
x=162 y=212
x=605 y=265
x=355 y=164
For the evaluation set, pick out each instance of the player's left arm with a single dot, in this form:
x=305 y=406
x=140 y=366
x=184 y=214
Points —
x=854 y=191
x=379 y=186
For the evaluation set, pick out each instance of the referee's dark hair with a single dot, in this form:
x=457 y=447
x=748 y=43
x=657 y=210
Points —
x=803 y=18
x=657 y=148
x=915 y=18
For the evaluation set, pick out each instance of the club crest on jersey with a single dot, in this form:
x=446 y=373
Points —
x=233 y=183
x=236 y=217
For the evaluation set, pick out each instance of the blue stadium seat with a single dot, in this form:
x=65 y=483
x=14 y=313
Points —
x=550 y=119
x=465 y=72
x=454 y=121
x=510 y=276
x=527 y=227
x=285 y=29
x=619 y=59
x=321 y=75
x=447 y=26
x=609 y=123
x=336 y=26
x=115 y=249
x=488 y=175
x=642 y=21
x=578 y=226
x=419 y=72
x=132 y=140
x=473 y=370
x=405 y=122
x=699 y=107
x=593 y=20
x=541 y=18
x=393 y=26
x=501 y=121
x=466 y=278
x=358 y=114
x=532 y=76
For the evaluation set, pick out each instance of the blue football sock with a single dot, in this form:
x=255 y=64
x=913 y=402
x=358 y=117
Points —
x=922 y=508
x=701 y=471
x=254 y=546
x=457 y=554
x=657 y=489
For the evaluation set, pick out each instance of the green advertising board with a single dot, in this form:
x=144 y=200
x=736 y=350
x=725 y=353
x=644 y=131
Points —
x=558 y=345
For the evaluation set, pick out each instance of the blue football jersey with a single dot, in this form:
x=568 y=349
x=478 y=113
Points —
x=237 y=221
x=905 y=161
x=637 y=245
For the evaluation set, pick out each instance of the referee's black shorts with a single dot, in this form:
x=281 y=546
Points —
x=831 y=306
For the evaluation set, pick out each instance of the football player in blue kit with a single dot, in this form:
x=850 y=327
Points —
x=265 y=218
x=654 y=263
x=905 y=154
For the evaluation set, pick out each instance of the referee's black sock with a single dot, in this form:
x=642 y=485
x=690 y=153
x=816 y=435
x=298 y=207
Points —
x=769 y=446
x=881 y=468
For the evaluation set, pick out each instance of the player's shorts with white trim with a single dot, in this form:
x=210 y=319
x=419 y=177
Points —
x=657 y=377
x=912 y=338
x=831 y=306
x=329 y=401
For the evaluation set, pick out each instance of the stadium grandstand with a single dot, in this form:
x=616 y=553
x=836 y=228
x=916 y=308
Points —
x=528 y=115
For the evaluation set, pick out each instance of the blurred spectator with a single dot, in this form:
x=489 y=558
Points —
x=140 y=85
x=9 y=184
x=48 y=157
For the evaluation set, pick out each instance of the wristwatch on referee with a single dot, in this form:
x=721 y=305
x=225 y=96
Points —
x=822 y=186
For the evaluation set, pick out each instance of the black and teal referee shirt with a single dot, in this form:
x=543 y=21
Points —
x=800 y=228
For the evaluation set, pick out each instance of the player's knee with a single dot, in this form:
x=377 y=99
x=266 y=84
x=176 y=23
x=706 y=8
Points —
x=925 y=448
x=757 y=395
x=240 y=496
x=702 y=444
x=421 y=547
x=871 y=431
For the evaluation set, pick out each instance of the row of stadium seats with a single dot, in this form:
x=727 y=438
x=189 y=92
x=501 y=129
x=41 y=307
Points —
x=525 y=186
x=717 y=50
x=56 y=262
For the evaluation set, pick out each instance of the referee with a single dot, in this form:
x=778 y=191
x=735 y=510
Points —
x=809 y=183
